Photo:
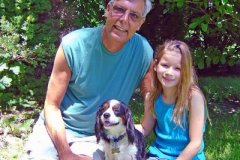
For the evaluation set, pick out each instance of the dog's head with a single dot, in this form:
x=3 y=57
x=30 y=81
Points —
x=114 y=118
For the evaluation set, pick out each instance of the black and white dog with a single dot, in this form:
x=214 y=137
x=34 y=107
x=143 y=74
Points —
x=115 y=128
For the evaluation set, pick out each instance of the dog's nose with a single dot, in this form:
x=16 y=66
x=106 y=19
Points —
x=106 y=115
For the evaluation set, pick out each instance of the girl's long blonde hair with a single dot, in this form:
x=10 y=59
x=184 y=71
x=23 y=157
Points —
x=187 y=83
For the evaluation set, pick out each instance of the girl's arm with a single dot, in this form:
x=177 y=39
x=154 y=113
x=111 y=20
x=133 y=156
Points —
x=148 y=121
x=196 y=124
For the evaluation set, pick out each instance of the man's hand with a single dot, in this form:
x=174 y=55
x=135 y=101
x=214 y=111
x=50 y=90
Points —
x=72 y=156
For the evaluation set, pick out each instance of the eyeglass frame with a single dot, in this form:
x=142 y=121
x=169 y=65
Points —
x=120 y=11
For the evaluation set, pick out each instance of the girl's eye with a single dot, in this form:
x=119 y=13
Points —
x=178 y=68
x=164 y=65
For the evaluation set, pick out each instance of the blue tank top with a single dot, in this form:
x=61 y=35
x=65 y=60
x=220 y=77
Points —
x=170 y=139
x=99 y=75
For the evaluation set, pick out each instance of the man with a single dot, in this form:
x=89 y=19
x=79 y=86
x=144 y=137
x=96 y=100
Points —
x=91 y=66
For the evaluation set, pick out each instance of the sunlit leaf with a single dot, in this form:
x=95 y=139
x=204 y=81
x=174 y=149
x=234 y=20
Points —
x=6 y=81
x=224 y=2
x=3 y=67
x=15 y=69
x=229 y=8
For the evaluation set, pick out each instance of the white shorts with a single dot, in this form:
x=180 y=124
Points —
x=40 y=146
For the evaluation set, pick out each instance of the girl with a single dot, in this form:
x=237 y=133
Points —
x=174 y=107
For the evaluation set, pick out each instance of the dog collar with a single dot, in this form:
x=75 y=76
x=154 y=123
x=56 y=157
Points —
x=115 y=141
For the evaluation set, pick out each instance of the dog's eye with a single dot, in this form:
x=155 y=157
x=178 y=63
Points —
x=117 y=110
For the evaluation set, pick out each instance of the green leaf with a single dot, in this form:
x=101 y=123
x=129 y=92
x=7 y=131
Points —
x=220 y=9
x=231 y=62
x=2 y=87
x=208 y=61
x=161 y=1
x=180 y=3
x=215 y=59
x=26 y=125
x=15 y=70
x=229 y=8
x=193 y=25
x=8 y=121
x=223 y=59
x=204 y=27
x=3 y=67
x=224 y=2
x=219 y=24
x=200 y=64
x=6 y=81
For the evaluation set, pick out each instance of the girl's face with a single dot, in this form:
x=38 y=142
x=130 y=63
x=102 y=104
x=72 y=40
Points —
x=169 y=69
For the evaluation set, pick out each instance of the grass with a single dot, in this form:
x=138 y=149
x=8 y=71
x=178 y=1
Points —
x=222 y=139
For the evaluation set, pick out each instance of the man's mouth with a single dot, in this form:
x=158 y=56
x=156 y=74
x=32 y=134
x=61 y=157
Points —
x=120 y=28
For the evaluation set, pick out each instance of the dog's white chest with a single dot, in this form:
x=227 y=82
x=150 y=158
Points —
x=120 y=151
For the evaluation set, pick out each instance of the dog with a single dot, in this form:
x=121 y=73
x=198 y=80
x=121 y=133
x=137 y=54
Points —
x=115 y=128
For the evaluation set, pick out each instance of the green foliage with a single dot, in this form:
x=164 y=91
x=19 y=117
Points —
x=28 y=37
x=17 y=61
x=23 y=15
x=86 y=13
x=211 y=29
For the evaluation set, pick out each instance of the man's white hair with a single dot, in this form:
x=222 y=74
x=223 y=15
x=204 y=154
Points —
x=147 y=6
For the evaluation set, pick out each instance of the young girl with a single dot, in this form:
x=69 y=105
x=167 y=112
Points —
x=175 y=106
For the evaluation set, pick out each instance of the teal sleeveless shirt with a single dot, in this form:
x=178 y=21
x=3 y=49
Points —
x=170 y=139
x=99 y=75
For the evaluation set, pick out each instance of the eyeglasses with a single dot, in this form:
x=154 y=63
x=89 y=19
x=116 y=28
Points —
x=118 y=11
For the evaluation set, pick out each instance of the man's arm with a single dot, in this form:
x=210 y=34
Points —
x=147 y=81
x=57 y=87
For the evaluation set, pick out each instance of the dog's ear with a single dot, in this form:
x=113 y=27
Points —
x=129 y=125
x=98 y=125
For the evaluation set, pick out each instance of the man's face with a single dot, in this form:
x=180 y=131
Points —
x=123 y=19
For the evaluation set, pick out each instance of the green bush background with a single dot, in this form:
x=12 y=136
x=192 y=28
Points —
x=31 y=30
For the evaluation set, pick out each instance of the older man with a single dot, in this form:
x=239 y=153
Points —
x=91 y=66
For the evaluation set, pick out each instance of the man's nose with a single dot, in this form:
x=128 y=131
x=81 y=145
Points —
x=125 y=16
